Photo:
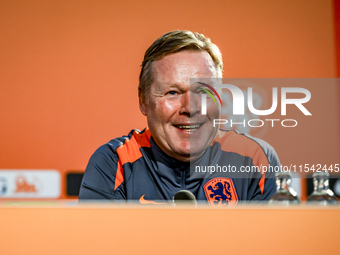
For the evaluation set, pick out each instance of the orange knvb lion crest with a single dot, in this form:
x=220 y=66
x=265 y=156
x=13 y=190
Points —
x=220 y=192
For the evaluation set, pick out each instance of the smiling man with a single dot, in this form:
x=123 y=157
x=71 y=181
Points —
x=173 y=118
x=152 y=165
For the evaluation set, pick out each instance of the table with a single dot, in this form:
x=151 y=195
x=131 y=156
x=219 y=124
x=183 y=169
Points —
x=116 y=229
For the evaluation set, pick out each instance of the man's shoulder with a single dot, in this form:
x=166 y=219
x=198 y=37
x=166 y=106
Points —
x=242 y=143
x=135 y=138
x=127 y=148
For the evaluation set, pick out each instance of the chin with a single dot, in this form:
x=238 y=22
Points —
x=185 y=152
x=188 y=155
x=199 y=145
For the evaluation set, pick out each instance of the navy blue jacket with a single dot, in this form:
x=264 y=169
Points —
x=133 y=168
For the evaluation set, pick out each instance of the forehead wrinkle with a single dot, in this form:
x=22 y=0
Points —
x=171 y=71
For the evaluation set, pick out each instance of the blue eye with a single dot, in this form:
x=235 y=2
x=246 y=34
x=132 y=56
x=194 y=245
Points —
x=172 y=93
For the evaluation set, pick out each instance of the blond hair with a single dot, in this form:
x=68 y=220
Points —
x=173 y=42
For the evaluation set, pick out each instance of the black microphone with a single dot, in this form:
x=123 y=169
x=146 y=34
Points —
x=185 y=197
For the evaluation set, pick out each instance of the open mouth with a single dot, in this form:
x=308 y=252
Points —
x=188 y=128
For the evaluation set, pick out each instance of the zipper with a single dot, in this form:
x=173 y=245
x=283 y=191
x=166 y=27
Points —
x=183 y=179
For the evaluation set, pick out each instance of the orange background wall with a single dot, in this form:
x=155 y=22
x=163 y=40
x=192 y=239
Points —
x=69 y=69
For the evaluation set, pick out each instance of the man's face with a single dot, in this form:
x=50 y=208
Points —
x=173 y=112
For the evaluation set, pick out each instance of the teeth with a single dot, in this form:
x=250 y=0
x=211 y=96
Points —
x=190 y=128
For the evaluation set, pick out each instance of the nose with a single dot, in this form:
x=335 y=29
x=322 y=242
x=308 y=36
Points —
x=189 y=104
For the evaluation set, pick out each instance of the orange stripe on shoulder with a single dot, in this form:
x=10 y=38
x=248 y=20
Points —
x=119 y=175
x=233 y=142
x=130 y=152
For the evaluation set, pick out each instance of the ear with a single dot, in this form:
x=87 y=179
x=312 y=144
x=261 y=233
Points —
x=142 y=105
